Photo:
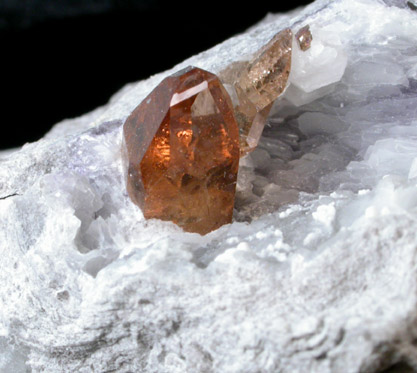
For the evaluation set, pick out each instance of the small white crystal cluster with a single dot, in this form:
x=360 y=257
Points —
x=317 y=273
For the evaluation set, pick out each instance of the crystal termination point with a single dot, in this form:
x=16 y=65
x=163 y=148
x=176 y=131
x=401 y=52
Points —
x=304 y=38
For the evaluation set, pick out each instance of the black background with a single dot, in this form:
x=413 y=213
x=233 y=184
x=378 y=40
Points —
x=63 y=58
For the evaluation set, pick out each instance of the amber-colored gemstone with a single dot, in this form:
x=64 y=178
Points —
x=259 y=85
x=304 y=38
x=182 y=146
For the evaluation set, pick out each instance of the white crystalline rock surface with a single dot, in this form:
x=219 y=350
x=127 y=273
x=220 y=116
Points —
x=316 y=274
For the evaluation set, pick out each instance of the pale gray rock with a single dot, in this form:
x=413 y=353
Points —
x=317 y=273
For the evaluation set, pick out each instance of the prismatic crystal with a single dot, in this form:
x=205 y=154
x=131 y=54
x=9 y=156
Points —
x=259 y=84
x=182 y=147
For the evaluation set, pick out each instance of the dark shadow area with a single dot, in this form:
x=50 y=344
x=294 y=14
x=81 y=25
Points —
x=63 y=59
x=399 y=368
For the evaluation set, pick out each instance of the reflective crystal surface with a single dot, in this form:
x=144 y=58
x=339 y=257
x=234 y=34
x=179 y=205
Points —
x=259 y=85
x=304 y=38
x=183 y=152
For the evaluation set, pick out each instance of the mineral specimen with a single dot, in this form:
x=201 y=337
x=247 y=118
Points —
x=304 y=38
x=316 y=274
x=259 y=85
x=183 y=152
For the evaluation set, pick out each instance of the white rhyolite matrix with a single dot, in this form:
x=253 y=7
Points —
x=318 y=272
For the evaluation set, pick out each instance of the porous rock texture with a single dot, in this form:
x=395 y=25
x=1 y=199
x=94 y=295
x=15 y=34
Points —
x=317 y=273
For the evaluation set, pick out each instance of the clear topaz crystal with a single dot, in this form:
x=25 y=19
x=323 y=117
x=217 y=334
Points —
x=259 y=85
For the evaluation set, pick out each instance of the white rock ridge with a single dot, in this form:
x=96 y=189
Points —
x=316 y=274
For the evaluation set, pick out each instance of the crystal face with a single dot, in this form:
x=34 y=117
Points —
x=259 y=85
x=182 y=146
x=304 y=38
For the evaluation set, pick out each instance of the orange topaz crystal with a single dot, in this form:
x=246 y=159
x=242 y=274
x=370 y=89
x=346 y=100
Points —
x=182 y=145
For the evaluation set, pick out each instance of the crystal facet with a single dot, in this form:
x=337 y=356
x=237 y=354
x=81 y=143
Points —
x=182 y=147
x=259 y=85
x=304 y=38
